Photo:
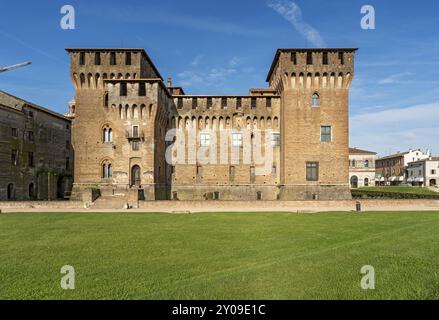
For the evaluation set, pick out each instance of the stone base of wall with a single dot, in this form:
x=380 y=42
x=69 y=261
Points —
x=42 y=205
x=89 y=193
x=242 y=192
x=316 y=192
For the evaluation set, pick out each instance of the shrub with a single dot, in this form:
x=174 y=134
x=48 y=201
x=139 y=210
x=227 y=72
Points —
x=373 y=194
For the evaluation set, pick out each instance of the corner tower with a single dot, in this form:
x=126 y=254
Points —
x=120 y=122
x=314 y=89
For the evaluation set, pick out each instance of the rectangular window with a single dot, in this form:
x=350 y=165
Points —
x=180 y=103
x=14 y=132
x=325 y=58
x=433 y=171
x=223 y=103
x=216 y=195
x=30 y=159
x=82 y=58
x=236 y=139
x=312 y=171
x=30 y=136
x=123 y=89
x=136 y=145
x=341 y=57
x=325 y=134
x=232 y=173
x=273 y=171
x=30 y=114
x=97 y=58
x=135 y=131
x=142 y=89
x=253 y=103
x=293 y=57
x=14 y=157
x=275 y=139
x=113 y=58
x=309 y=58
x=205 y=139
x=252 y=174
x=209 y=103
x=268 y=102
x=194 y=103
x=128 y=58
x=238 y=103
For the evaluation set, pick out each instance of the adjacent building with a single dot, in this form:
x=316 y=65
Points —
x=361 y=168
x=392 y=169
x=36 y=157
x=424 y=173
x=134 y=135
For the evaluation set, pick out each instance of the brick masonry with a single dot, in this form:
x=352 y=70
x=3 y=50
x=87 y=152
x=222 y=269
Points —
x=120 y=88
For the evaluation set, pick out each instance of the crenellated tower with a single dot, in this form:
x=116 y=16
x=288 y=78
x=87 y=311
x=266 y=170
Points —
x=314 y=89
x=121 y=111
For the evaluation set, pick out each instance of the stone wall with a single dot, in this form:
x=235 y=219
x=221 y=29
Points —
x=111 y=96
x=41 y=140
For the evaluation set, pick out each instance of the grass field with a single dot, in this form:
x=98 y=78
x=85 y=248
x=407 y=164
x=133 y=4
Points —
x=401 y=189
x=220 y=255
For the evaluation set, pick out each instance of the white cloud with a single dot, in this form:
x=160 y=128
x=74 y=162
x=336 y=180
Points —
x=400 y=129
x=213 y=77
x=291 y=12
x=234 y=61
x=395 y=78
x=197 y=60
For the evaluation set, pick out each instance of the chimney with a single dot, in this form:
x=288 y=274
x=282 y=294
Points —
x=169 y=82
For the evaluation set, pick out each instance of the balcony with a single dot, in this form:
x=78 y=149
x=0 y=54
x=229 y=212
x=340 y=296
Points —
x=135 y=135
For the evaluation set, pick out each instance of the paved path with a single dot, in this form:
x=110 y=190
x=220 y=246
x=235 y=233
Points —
x=182 y=207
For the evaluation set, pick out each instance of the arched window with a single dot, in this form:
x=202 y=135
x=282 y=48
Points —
x=366 y=182
x=107 y=134
x=11 y=191
x=107 y=170
x=31 y=190
x=315 y=100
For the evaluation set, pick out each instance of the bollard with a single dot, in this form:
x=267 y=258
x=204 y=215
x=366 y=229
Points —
x=358 y=206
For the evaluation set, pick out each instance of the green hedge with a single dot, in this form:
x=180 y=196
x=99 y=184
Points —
x=369 y=194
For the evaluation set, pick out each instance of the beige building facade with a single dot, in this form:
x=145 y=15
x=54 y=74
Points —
x=361 y=168
x=424 y=173
x=36 y=156
x=392 y=169
x=136 y=136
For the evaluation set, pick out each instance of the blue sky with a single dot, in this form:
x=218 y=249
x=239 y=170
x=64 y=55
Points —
x=226 y=47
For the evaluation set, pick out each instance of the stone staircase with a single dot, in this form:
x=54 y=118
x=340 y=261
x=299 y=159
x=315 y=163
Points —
x=110 y=202
x=116 y=199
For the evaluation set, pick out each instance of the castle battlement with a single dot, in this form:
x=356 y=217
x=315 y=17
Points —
x=124 y=111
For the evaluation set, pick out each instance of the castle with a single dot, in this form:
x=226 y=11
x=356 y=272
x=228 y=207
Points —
x=135 y=135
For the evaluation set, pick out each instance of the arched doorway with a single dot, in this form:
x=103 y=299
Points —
x=354 y=182
x=31 y=190
x=11 y=193
x=135 y=176
x=366 y=182
x=433 y=183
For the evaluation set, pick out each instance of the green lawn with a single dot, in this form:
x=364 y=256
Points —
x=401 y=189
x=219 y=255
